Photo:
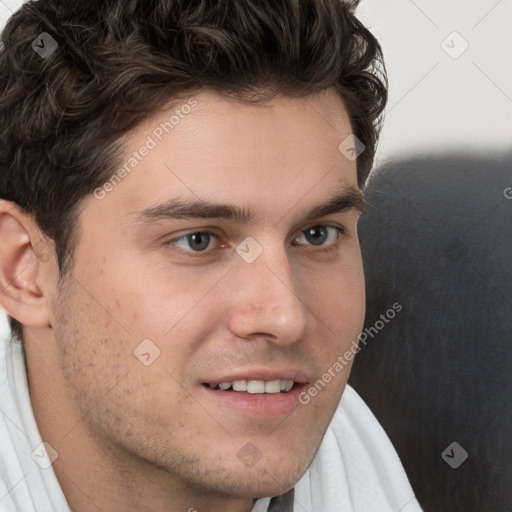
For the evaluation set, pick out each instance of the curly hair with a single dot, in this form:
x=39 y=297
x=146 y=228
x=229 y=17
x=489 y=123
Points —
x=63 y=117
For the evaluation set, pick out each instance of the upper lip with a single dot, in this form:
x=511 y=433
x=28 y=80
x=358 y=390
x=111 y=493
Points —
x=266 y=374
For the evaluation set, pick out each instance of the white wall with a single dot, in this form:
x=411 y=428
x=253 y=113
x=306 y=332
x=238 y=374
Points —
x=436 y=101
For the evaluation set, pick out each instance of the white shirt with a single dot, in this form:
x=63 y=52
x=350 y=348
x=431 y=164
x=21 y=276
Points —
x=356 y=469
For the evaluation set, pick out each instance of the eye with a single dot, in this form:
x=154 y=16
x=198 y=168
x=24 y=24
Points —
x=198 y=241
x=320 y=235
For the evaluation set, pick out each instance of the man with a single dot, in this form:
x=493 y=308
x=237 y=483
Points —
x=181 y=184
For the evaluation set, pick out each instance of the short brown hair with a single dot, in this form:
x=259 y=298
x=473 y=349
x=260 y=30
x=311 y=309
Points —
x=118 y=61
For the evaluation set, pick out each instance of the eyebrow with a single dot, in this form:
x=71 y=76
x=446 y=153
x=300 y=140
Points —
x=349 y=199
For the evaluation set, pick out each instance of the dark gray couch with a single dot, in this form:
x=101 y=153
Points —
x=437 y=238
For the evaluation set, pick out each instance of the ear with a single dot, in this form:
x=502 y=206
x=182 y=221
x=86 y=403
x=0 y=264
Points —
x=24 y=258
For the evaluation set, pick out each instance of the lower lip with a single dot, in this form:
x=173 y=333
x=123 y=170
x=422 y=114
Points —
x=262 y=405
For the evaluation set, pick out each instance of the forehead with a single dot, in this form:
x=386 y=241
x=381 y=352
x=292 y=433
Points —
x=205 y=146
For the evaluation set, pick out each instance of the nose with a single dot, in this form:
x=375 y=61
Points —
x=267 y=300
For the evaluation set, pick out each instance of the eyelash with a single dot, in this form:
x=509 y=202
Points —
x=341 y=233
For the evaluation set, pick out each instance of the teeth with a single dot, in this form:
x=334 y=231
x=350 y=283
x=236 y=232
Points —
x=273 y=386
x=256 y=386
x=239 y=385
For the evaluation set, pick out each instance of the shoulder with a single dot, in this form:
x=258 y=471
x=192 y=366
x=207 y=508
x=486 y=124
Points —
x=356 y=466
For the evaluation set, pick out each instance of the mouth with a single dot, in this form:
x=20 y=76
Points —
x=254 y=387
x=261 y=394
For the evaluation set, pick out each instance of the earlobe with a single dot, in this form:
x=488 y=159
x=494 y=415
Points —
x=20 y=265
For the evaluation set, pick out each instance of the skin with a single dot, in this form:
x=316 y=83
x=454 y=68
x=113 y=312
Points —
x=141 y=438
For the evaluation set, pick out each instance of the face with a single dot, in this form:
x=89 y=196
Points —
x=211 y=262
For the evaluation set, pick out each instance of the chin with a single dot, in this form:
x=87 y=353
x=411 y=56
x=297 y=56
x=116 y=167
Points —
x=272 y=479
x=262 y=480
x=262 y=484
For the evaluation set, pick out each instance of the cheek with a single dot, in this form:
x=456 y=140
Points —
x=93 y=349
x=351 y=300
x=159 y=303
x=106 y=377
x=336 y=296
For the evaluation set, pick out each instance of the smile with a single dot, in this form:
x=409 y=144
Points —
x=255 y=386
